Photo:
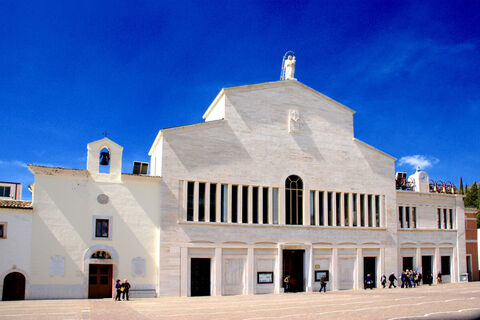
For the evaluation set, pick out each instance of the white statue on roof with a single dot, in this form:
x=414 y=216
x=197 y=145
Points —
x=288 y=66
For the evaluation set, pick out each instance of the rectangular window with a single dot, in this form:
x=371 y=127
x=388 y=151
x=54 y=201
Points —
x=346 y=209
x=201 y=201
x=338 y=197
x=245 y=204
x=407 y=217
x=101 y=228
x=223 y=203
x=400 y=216
x=362 y=210
x=234 y=204
x=4 y=191
x=370 y=210
x=321 y=212
x=445 y=218
x=445 y=265
x=3 y=231
x=354 y=203
x=190 y=185
x=275 y=205
x=329 y=208
x=377 y=211
x=255 y=205
x=312 y=208
x=213 y=202
x=414 y=217
x=265 y=205
x=451 y=218
x=439 y=218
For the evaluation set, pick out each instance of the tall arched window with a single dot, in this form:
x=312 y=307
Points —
x=294 y=200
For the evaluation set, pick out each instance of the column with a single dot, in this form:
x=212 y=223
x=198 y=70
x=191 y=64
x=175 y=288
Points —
x=184 y=272
x=325 y=208
x=359 y=269
x=260 y=205
x=240 y=204
x=334 y=269
x=418 y=259
x=195 y=201
x=278 y=270
x=184 y=200
x=374 y=212
x=359 y=212
x=381 y=266
x=250 y=271
x=436 y=264
x=229 y=203
x=217 y=289
x=334 y=208
x=317 y=208
x=306 y=206
x=309 y=268
x=382 y=211
x=218 y=200
x=342 y=209
x=270 y=205
x=281 y=206
x=367 y=211
x=207 y=202
x=350 y=209
x=250 y=205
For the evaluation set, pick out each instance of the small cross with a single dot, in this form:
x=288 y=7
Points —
x=105 y=133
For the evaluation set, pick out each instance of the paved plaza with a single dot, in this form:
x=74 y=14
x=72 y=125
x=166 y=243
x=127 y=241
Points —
x=448 y=301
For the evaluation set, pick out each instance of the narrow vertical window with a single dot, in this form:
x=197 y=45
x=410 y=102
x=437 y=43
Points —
x=400 y=216
x=439 y=218
x=338 y=208
x=265 y=205
x=234 y=204
x=101 y=228
x=377 y=211
x=255 y=205
x=370 y=210
x=362 y=210
x=201 y=201
x=312 y=208
x=245 y=204
x=407 y=217
x=294 y=200
x=445 y=218
x=223 y=203
x=451 y=218
x=355 y=209
x=3 y=233
x=321 y=208
x=275 y=205
x=346 y=209
x=414 y=217
x=329 y=208
x=190 y=185
x=213 y=202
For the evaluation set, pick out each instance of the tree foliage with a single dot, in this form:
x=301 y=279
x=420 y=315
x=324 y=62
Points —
x=472 y=199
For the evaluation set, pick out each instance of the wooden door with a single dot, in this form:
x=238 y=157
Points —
x=100 y=284
x=14 y=287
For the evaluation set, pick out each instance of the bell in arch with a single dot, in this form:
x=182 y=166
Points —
x=105 y=158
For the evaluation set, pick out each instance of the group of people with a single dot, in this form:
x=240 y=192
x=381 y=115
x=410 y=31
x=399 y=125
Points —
x=409 y=279
x=122 y=290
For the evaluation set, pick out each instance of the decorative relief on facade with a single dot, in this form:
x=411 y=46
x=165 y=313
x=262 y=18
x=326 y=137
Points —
x=102 y=198
x=293 y=121
x=138 y=267
x=57 y=266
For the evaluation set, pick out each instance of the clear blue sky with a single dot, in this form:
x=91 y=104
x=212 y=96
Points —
x=71 y=70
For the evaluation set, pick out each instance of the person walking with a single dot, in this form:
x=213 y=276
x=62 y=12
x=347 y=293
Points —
x=392 y=279
x=126 y=287
x=118 y=287
x=403 y=277
x=368 y=282
x=286 y=283
x=383 y=280
x=323 y=283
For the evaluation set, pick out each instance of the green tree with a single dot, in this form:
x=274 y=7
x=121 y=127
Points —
x=471 y=196
x=460 y=186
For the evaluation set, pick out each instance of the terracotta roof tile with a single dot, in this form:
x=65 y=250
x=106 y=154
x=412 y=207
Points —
x=16 y=204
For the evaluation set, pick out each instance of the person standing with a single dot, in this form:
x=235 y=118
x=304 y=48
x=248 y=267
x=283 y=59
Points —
x=286 y=283
x=126 y=288
x=403 y=277
x=392 y=279
x=323 y=283
x=383 y=280
x=118 y=287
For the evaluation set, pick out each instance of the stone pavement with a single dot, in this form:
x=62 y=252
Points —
x=446 y=301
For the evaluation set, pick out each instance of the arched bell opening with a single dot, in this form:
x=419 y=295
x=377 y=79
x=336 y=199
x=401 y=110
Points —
x=14 y=287
x=104 y=161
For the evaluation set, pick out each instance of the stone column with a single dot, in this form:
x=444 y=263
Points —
x=229 y=203
x=218 y=272
x=359 y=211
x=350 y=209
x=306 y=206
x=250 y=205
x=381 y=266
x=309 y=268
x=270 y=205
x=317 y=208
x=334 y=208
x=195 y=201
x=359 y=269
x=240 y=204
x=207 y=202
x=184 y=272
x=436 y=264
x=418 y=259
x=342 y=209
x=335 y=269
x=281 y=206
x=278 y=269
x=250 y=271
x=218 y=200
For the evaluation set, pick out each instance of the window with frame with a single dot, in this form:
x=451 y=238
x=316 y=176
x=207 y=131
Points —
x=3 y=230
x=101 y=228
x=4 y=191
x=294 y=200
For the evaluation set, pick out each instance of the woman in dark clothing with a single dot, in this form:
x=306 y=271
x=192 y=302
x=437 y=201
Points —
x=118 y=286
x=126 y=288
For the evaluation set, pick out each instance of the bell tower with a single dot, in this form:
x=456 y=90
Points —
x=104 y=160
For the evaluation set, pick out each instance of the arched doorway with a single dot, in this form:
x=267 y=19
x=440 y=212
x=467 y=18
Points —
x=100 y=275
x=14 y=287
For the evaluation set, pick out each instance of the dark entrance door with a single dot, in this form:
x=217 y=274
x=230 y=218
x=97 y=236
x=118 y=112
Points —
x=370 y=268
x=407 y=263
x=200 y=277
x=100 y=284
x=14 y=287
x=427 y=274
x=293 y=266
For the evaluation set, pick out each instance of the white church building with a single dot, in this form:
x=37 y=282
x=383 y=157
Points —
x=273 y=183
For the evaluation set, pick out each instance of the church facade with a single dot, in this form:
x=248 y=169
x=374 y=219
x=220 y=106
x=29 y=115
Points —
x=272 y=184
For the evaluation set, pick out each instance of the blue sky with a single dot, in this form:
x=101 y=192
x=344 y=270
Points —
x=71 y=70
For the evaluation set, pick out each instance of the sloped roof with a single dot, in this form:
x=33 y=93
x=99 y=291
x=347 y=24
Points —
x=16 y=204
